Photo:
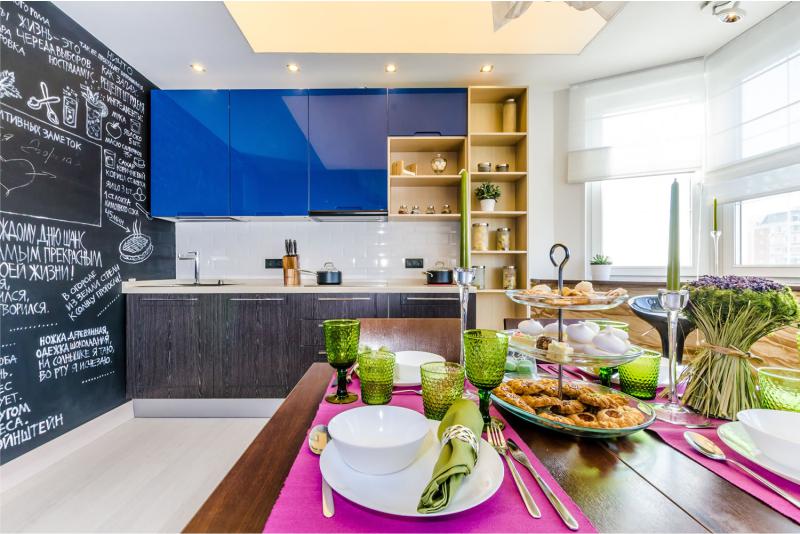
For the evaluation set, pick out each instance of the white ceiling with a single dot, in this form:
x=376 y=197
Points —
x=161 y=39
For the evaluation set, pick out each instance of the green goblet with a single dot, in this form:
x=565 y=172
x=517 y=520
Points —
x=485 y=358
x=341 y=346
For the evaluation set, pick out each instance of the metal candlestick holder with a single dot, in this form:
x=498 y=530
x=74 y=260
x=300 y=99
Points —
x=715 y=235
x=560 y=266
x=464 y=277
x=672 y=411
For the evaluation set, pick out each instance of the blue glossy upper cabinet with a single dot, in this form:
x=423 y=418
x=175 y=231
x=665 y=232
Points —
x=348 y=149
x=428 y=111
x=269 y=152
x=189 y=153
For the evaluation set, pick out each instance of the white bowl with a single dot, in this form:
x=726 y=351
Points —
x=407 y=363
x=378 y=440
x=776 y=433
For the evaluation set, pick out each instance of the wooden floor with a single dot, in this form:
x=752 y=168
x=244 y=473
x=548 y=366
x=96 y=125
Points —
x=147 y=475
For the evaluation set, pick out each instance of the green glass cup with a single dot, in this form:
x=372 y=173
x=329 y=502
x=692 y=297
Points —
x=639 y=378
x=606 y=373
x=442 y=385
x=485 y=354
x=779 y=388
x=376 y=373
x=341 y=346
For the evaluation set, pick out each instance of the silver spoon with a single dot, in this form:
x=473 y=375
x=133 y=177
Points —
x=708 y=448
x=318 y=438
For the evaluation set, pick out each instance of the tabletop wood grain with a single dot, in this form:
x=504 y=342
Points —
x=633 y=484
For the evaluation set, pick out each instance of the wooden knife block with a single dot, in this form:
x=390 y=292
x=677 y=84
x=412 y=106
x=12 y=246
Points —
x=291 y=270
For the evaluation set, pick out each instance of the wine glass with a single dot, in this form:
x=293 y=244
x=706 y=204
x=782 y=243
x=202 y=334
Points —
x=485 y=354
x=341 y=346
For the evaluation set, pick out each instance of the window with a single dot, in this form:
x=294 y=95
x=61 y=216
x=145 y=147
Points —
x=630 y=222
x=767 y=231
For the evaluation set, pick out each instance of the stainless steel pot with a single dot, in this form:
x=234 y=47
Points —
x=439 y=275
x=328 y=276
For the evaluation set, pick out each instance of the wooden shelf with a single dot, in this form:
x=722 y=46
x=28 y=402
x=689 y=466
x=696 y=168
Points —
x=495 y=94
x=476 y=252
x=493 y=176
x=424 y=217
x=497 y=138
x=426 y=144
x=423 y=180
x=497 y=214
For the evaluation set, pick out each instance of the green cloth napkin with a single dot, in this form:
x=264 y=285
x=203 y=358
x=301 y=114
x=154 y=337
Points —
x=456 y=460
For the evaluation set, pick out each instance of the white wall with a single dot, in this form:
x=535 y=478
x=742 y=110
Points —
x=363 y=250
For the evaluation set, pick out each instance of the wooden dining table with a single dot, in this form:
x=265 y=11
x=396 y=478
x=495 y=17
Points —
x=631 y=484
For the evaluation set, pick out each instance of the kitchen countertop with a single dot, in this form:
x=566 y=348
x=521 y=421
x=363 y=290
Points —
x=276 y=286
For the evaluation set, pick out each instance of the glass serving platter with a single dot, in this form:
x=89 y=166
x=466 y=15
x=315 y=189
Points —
x=573 y=430
x=525 y=345
x=540 y=300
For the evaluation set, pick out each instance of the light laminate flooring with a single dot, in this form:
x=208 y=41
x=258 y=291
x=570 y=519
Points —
x=147 y=475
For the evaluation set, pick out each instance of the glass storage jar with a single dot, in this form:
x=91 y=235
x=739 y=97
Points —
x=480 y=277
x=480 y=236
x=503 y=238
x=510 y=277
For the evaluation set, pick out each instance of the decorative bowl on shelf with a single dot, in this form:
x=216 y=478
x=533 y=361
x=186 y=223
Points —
x=647 y=308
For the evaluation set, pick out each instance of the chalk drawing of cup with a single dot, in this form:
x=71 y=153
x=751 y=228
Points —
x=96 y=110
x=110 y=158
x=69 y=110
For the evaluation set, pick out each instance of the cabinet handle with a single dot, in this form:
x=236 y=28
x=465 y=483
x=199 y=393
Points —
x=432 y=298
x=343 y=298
x=322 y=352
x=276 y=299
x=168 y=300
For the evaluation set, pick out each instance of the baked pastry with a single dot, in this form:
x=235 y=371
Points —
x=543 y=342
x=619 y=417
x=530 y=327
x=568 y=407
x=540 y=401
x=584 y=287
x=557 y=418
x=584 y=419
x=558 y=351
x=601 y=400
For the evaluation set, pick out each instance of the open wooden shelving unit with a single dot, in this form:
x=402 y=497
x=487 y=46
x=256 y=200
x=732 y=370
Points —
x=487 y=142
x=426 y=188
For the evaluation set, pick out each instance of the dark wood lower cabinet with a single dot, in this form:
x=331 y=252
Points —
x=248 y=345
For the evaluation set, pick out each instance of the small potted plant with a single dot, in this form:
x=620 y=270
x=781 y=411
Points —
x=601 y=267
x=487 y=193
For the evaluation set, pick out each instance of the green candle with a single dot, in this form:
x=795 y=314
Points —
x=674 y=258
x=715 y=214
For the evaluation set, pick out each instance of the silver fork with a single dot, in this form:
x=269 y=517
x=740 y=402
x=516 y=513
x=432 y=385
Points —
x=498 y=441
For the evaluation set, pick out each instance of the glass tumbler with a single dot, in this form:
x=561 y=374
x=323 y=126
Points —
x=485 y=354
x=376 y=373
x=442 y=385
x=341 y=346
x=779 y=388
x=639 y=378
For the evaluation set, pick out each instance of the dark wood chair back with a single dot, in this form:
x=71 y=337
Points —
x=439 y=336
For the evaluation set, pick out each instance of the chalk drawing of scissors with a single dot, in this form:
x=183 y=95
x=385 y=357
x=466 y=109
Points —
x=37 y=103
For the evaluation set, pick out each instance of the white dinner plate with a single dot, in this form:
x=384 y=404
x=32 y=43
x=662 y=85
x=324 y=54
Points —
x=406 y=366
x=398 y=493
x=734 y=435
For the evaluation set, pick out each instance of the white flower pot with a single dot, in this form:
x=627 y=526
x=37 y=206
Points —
x=601 y=272
x=488 y=204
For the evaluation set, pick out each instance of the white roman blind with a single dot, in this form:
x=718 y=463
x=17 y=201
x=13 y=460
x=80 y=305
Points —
x=644 y=123
x=754 y=108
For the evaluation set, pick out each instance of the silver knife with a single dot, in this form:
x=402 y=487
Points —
x=565 y=514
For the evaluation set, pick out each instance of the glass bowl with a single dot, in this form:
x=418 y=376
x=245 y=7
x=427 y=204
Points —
x=779 y=388
x=569 y=303
x=525 y=345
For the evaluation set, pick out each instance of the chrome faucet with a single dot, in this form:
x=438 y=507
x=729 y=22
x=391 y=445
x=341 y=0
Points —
x=193 y=255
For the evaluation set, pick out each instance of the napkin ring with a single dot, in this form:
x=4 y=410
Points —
x=461 y=433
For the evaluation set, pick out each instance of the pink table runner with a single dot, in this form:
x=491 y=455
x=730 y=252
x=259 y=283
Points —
x=672 y=435
x=299 y=509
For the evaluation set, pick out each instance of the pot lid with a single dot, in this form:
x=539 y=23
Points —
x=329 y=266
x=439 y=266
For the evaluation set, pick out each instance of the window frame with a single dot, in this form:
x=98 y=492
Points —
x=728 y=249
x=594 y=231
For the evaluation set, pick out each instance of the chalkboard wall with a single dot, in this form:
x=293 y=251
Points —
x=74 y=222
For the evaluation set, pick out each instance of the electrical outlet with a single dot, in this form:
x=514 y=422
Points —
x=414 y=263
x=273 y=263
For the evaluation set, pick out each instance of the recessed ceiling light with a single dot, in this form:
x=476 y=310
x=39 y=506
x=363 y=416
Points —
x=197 y=67
x=487 y=68
x=293 y=67
x=391 y=67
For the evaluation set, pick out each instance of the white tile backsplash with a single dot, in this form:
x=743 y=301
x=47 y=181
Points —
x=361 y=250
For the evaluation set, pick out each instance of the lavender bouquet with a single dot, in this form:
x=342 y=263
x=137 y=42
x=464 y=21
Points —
x=732 y=313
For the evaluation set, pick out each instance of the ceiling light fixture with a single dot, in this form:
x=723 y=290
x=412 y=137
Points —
x=197 y=67
x=727 y=12
x=391 y=67
x=487 y=68
x=293 y=67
